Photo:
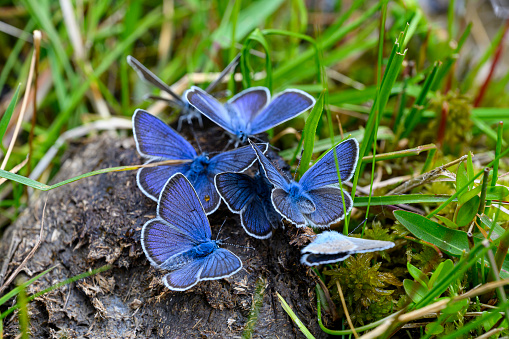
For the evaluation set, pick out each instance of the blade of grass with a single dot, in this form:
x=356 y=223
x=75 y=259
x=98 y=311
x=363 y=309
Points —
x=4 y=122
x=294 y=317
x=43 y=187
x=309 y=133
x=21 y=304
x=57 y=285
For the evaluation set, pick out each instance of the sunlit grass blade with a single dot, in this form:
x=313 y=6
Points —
x=57 y=285
x=43 y=187
x=385 y=200
x=21 y=304
x=294 y=317
x=255 y=36
x=309 y=133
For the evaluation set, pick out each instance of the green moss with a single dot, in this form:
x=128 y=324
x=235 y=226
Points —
x=364 y=288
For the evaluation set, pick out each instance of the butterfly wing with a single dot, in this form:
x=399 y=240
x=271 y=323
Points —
x=160 y=241
x=236 y=189
x=250 y=102
x=283 y=107
x=155 y=139
x=288 y=209
x=236 y=160
x=256 y=221
x=329 y=206
x=220 y=264
x=206 y=191
x=328 y=247
x=210 y=107
x=186 y=277
x=272 y=172
x=368 y=245
x=179 y=205
x=324 y=172
x=151 y=180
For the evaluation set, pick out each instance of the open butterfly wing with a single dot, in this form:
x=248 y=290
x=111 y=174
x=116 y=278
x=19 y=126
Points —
x=272 y=172
x=186 y=277
x=236 y=189
x=207 y=193
x=329 y=206
x=220 y=264
x=155 y=139
x=236 y=160
x=151 y=180
x=249 y=103
x=210 y=107
x=288 y=209
x=283 y=107
x=324 y=172
x=179 y=205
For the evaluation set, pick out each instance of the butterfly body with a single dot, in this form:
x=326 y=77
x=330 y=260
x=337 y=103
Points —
x=179 y=239
x=157 y=141
x=315 y=200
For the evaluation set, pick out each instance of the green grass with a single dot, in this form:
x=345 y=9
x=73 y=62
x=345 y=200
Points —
x=417 y=79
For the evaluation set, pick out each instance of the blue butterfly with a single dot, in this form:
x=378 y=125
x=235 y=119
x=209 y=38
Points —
x=188 y=112
x=251 y=111
x=179 y=239
x=157 y=141
x=330 y=247
x=315 y=200
x=249 y=197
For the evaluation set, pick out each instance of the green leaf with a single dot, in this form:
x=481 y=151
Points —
x=420 y=277
x=414 y=290
x=447 y=222
x=467 y=195
x=496 y=192
x=441 y=272
x=453 y=242
x=434 y=328
x=468 y=211
x=309 y=133
x=8 y=113
x=461 y=176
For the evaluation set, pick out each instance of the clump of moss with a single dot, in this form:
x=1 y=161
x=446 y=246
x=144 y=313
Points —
x=363 y=287
x=457 y=126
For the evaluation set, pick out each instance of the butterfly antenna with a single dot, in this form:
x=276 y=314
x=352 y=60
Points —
x=220 y=228
x=195 y=138
x=298 y=164
x=265 y=142
x=356 y=227
x=240 y=246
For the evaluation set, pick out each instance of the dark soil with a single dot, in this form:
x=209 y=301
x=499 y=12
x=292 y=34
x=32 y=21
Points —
x=97 y=221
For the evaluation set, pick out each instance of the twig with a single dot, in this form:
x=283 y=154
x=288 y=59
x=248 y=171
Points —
x=30 y=255
x=424 y=178
x=37 y=51
x=347 y=315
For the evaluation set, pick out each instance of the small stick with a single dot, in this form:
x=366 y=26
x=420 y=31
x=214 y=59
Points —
x=346 y=310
